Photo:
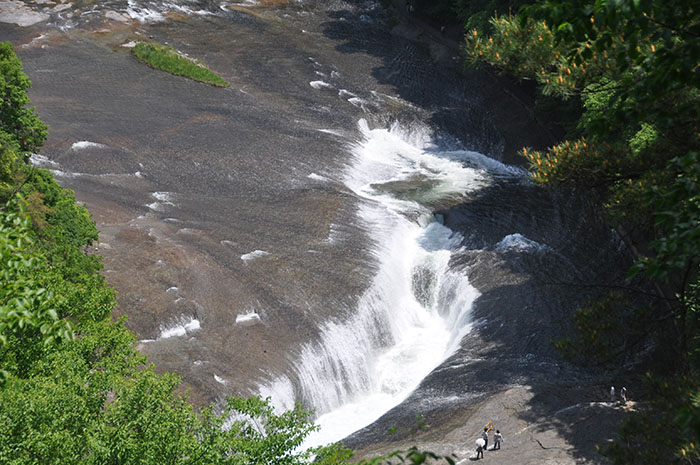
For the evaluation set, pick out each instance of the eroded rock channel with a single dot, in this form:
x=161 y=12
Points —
x=344 y=171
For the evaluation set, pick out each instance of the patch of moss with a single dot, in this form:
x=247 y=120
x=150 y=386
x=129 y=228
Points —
x=167 y=59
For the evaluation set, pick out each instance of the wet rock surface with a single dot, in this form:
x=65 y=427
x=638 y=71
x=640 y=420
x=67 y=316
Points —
x=506 y=370
x=551 y=424
x=214 y=203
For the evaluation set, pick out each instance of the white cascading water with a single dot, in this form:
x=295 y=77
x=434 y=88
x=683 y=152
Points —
x=415 y=312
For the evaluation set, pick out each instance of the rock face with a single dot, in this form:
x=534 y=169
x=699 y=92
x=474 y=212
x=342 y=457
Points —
x=506 y=370
x=15 y=12
x=535 y=427
x=218 y=204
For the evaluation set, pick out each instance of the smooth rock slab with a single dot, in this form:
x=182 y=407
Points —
x=14 y=12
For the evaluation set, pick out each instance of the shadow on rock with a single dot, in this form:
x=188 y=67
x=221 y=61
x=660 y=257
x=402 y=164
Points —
x=535 y=255
x=466 y=103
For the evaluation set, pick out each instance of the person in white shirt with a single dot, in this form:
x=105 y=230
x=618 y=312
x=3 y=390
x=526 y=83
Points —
x=497 y=439
x=480 y=448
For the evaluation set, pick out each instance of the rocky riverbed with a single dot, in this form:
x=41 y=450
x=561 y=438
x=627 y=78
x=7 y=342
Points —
x=231 y=236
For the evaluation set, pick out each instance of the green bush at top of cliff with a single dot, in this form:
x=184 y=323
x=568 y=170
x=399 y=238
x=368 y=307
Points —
x=167 y=59
x=18 y=124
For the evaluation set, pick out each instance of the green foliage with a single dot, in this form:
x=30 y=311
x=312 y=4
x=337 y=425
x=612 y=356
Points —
x=480 y=21
x=634 y=65
x=691 y=300
x=264 y=437
x=648 y=46
x=63 y=226
x=643 y=139
x=73 y=390
x=333 y=454
x=77 y=417
x=26 y=307
x=606 y=327
x=69 y=222
x=8 y=160
x=475 y=13
x=676 y=208
x=336 y=454
x=597 y=98
x=413 y=456
x=19 y=124
x=167 y=59
x=525 y=49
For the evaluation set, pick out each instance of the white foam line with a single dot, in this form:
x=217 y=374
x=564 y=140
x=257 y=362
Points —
x=317 y=177
x=333 y=132
x=360 y=103
x=185 y=326
x=35 y=40
x=320 y=85
x=85 y=144
x=518 y=242
x=253 y=255
x=42 y=161
x=248 y=319
x=143 y=15
x=163 y=199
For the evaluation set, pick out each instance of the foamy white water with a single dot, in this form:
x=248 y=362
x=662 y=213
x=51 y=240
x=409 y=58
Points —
x=416 y=311
x=145 y=11
x=86 y=144
x=248 y=319
x=185 y=326
x=320 y=85
x=318 y=177
x=519 y=243
x=163 y=199
x=254 y=254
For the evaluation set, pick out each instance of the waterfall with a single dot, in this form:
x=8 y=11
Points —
x=416 y=310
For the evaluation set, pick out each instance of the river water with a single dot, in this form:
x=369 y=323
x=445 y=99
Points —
x=416 y=310
x=333 y=229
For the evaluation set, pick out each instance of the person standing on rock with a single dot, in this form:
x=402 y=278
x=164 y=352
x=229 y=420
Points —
x=497 y=439
x=485 y=436
x=612 y=394
x=623 y=395
x=480 y=446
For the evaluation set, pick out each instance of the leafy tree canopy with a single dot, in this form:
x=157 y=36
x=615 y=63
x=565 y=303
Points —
x=18 y=124
x=635 y=66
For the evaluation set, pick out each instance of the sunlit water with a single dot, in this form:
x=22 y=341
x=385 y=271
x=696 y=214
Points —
x=416 y=311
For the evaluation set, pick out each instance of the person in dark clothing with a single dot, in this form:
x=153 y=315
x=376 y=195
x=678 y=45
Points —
x=497 y=439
